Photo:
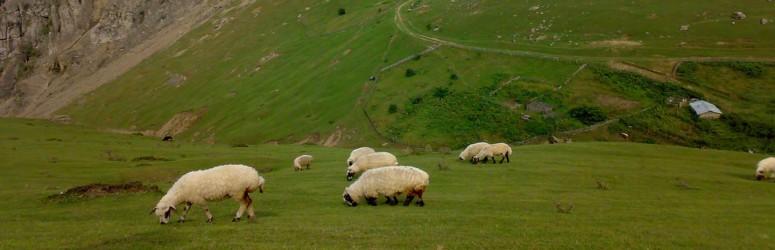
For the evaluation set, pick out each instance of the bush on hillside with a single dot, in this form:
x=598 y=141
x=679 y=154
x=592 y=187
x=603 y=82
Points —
x=587 y=114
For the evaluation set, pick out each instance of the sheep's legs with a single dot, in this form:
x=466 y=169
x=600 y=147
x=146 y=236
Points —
x=371 y=201
x=244 y=203
x=391 y=201
x=207 y=211
x=505 y=157
x=308 y=166
x=185 y=212
x=493 y=159
x=408 y=200
x=410 y=197
x=420 y=202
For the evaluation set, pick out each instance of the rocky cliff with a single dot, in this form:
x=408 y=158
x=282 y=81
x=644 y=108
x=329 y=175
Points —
x=54 y=51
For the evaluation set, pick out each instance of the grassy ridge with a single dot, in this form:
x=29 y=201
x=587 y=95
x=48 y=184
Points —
x=656 y=197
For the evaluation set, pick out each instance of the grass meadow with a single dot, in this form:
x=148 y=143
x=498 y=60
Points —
x=623 y=196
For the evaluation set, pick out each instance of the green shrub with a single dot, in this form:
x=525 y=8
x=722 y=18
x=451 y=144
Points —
x=410 y=73
x=392 y=109
x=587 y=114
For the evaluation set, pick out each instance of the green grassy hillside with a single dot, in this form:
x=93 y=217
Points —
x=623 y=195
x=427 y=74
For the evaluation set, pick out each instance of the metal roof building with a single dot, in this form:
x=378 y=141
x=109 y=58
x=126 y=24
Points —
x=705 y=109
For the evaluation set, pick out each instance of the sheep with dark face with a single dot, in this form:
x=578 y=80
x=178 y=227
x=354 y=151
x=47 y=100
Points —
x=765 y=169
x=492 y=150
x=217 y=183
x=371 y=161
x=471 y=151
x=357 y=153
x=389 y=182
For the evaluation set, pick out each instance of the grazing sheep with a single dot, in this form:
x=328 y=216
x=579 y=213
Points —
x=765 y=169
x=217 y=183
x=358 y=152
x=388 y=181
x=301 y=161
x=491 y=151
x=471 y=151
x=369 y=161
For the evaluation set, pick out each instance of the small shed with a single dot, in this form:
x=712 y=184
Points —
x=539 y=107
x=705 y=110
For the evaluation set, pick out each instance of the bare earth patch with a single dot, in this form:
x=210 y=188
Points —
x=95 y=190
x=613 y=43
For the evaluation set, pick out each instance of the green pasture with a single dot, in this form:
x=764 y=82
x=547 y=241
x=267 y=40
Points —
x=571 y=29
x=624 y=195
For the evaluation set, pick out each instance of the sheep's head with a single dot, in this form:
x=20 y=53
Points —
x=759 y=175
x=349 y=199
x=163 y=213
x=350 y=174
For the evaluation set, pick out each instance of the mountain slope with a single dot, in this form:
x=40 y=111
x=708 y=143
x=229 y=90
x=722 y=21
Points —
x=350 y=72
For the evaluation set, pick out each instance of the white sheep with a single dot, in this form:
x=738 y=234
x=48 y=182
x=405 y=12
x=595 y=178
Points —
x=388 y=181
x=370 y=161
x=301 y=161
x=765 y=169
x=358 y=152
x=471 y=151
x=491 y=151
x=217 y=183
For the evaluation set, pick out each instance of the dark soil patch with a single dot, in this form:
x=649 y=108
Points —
x=150 y=158
x=95 y=190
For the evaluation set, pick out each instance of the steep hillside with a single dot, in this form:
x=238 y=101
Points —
x=431 y=75
x=54 y=51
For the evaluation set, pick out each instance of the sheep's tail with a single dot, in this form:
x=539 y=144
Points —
x=258 y=185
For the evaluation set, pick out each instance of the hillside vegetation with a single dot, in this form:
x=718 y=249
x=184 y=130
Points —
x=442 y=74
x=581 y=195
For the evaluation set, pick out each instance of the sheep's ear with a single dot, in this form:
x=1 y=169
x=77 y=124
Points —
x=172 y=208
x=152 y=210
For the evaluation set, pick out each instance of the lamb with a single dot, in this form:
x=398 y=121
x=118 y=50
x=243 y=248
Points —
x=765 y=169
x=217 y=183
x=370 y=161
x=471 y=151
x=493 y=150
x=301 y=161
x=358 y=152
x=388 y=181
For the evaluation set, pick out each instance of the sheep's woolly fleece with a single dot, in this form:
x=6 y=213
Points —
x=388 y=181
x=358 y=152
x=217 y=183
x=371 y=161
x=302 y=161
x=765 y=169
x=472 y=150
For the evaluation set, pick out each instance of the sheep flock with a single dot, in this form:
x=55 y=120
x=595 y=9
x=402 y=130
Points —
x=381 y=176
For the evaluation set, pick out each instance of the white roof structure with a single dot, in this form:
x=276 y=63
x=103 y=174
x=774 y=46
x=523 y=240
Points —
x=701 y=107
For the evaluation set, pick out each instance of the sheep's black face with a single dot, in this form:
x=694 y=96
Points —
x=350 y=163
x=350 y=176
x=163 y=213
x=760 y=175
x=349 y=200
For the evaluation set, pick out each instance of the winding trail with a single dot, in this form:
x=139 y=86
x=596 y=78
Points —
x=402 y=26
